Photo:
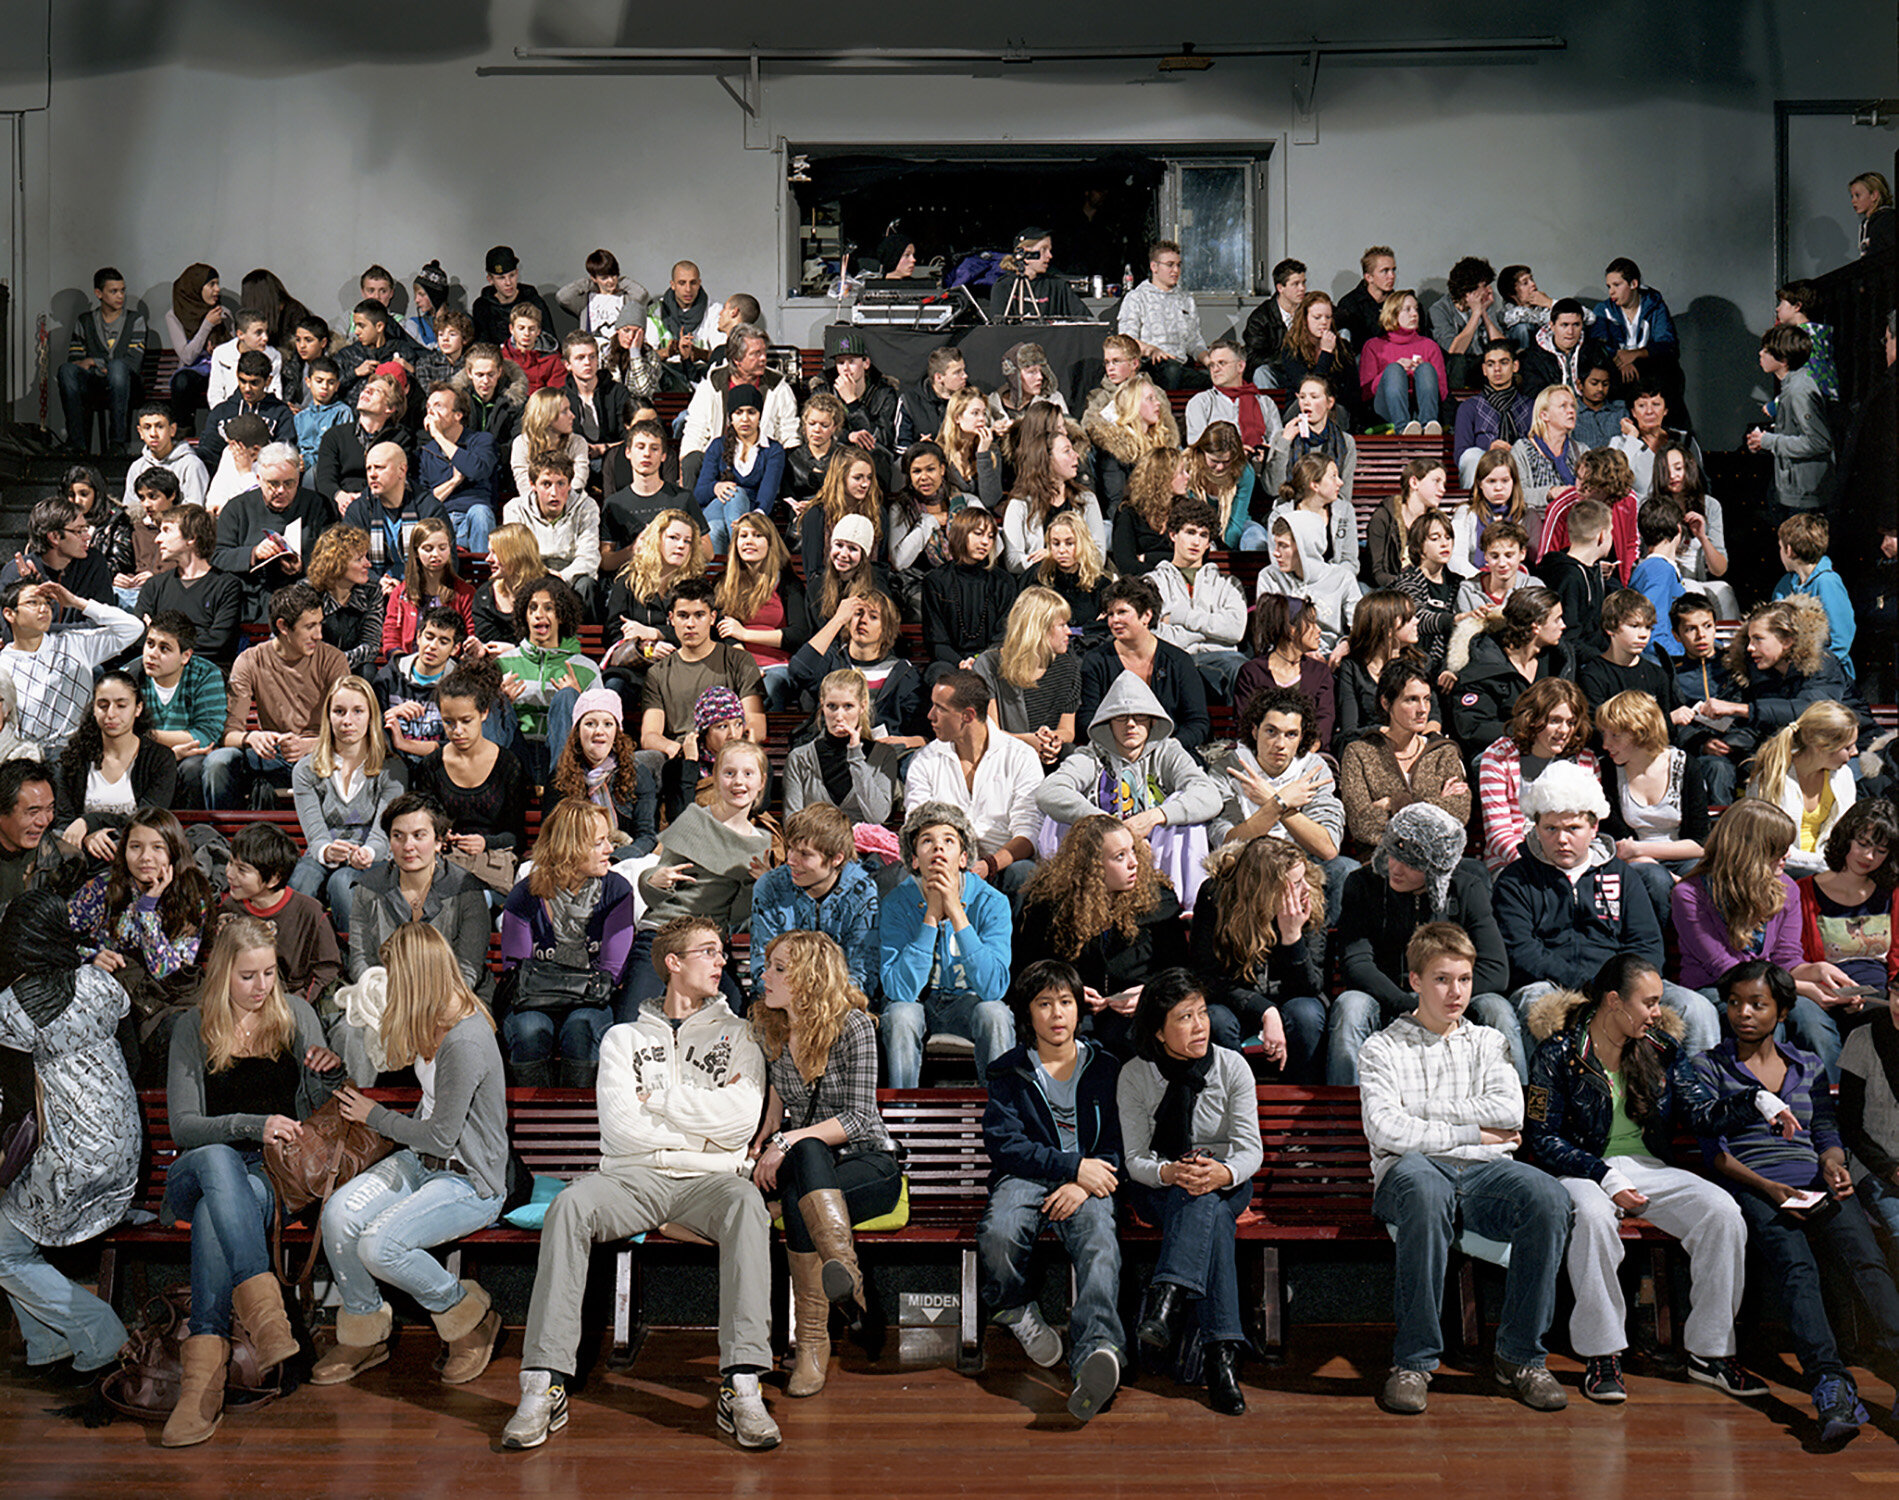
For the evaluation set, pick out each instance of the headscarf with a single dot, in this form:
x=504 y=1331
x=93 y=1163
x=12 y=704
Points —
x=1427 y=838
x=188 y=307
x=39 y=956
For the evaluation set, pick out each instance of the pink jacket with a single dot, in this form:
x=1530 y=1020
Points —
x=1392 y=347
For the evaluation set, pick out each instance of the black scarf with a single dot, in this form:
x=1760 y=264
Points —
x=1503 y=403
x=677 y=319
x=834 y=766
x=1173 y=1121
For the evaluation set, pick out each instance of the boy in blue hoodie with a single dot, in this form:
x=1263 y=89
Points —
x=1053 y=1134
x=1804 y=538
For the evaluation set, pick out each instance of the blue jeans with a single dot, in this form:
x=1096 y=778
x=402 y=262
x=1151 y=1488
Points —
x=720 y=514
x=334 y=884
x=57 y=1318
x=1356 y=1014
x=1006 y=1239
x=780 y=692
x=1424 y=1200
x=1219 y=668
x=116 y=388
x=1880 y=1199
x=907 y=1023
x=1700 y=1018
x=529 y=1036
x=1235 y=1014
x=224 y=1195
x=472 y=527
x=228 y=774
x=1401 y=399
x=381 y=1224
x=1794 y=1249
x=1196 y=1251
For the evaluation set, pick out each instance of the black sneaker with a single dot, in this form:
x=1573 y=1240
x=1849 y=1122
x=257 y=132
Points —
x=1725 y=1373
x=1602 y=1379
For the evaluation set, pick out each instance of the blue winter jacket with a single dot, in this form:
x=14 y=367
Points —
x=1654 y=329
x=974 y=961
x=1018 y=1128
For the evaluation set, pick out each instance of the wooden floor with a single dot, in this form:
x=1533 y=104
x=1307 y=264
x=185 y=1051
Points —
x=885 y=1432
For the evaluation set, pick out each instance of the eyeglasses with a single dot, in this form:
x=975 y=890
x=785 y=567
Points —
x=708 y=952
x=82 y=528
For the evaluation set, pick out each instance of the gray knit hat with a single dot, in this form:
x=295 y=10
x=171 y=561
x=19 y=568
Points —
x=924 y=815
x=1428 y=839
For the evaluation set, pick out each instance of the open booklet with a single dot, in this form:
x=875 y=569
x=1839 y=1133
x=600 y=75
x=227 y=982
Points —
x=292 y=539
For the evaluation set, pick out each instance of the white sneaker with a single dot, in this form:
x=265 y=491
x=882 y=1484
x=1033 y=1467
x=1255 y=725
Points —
x=1410 y=429
x=742 y=1413
x=1040 y=1342
x=543 y=1410
x=1434 y=429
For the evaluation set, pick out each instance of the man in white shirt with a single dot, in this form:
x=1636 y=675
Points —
x=1443 y=1110
x=52 y=674
x=1163 y=320
x=991 y=776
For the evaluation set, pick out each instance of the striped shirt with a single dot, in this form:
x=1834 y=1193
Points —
x=1421 y=1092
x=1758 y=1145
x=195 y=706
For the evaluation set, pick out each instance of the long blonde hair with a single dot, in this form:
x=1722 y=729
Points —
x=1091 y=566
x=564 y=845
x=427 y=993
x=1124 y=411
x=744 y=587
x=375 y=747
x=835 y=502
x=959 y=446
x=1025 y=648
x=1824 y=726
x=822 y=996
x=517 y=557
x=217 y=1022
x=1740 y=864
x=646 y=574
x=537 y=425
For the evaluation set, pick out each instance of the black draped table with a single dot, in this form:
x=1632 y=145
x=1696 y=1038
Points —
x=1073 y=350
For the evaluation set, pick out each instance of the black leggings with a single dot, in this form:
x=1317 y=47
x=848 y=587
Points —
x=870 y=1183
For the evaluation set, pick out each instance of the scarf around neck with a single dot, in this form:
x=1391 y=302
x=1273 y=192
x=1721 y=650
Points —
x=1173 y=1120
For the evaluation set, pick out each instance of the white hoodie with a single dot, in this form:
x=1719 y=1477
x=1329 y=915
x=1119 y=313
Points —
x=704 y=1086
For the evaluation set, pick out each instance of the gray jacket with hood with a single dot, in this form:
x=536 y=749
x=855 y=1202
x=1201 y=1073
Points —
x=1170 y=777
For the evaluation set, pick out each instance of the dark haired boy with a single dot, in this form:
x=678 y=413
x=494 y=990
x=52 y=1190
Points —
x=103 y=359
x=258 y=874
x=376 y=339
x=184 y=699
x=52 y=674
x=59 y=550
x=190 y=585
x=1803 y=540
x=406 y=684
x=1575 y=575
x=252 y=336
x=1202 y=610
x=1626 y=663
x=251 y=396
x=1657 y=577
x=322 y=410
x=288 y=678
x=1801 y=442
x=159 y=448
x=1719 y=734
x=1053 y=1136
x=674 y=683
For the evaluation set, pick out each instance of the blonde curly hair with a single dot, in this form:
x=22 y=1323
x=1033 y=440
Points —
x=822 y=995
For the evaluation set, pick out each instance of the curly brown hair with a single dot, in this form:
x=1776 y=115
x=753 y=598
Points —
x=1252 y=878
x=1069 y=884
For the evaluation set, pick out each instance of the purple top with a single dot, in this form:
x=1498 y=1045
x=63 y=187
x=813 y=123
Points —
x=1703 y=935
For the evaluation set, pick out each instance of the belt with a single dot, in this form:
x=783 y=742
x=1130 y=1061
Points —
x=443 y=1163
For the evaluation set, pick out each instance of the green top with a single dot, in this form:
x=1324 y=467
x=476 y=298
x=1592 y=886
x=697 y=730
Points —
x=1625 y=1136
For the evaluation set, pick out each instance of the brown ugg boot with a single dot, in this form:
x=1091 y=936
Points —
x=814 y=1323
x=829 y=1222
x=470 y=1329
x=201 y=1393
x=259 y=1306
x=362 y=1343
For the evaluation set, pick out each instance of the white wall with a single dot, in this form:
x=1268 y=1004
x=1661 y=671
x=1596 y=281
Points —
x=265 y=136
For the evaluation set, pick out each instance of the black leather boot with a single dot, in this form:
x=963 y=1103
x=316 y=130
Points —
x=532 y=1075
x=1165 y=1299
x=1223 y=1379
x=578 y=1075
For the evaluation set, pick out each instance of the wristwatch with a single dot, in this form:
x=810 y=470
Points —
x=777 y=1142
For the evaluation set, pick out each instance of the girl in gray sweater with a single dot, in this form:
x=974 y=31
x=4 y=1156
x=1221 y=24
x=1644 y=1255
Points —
x=340 y=790
x=447 y=1178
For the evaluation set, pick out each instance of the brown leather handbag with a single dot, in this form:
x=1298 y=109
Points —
x=151 y=1366
x=327 y=1151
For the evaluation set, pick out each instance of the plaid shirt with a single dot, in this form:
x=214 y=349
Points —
x=1433 y=1094
x=845 y=1091
x=54 y=683
x=197 y=703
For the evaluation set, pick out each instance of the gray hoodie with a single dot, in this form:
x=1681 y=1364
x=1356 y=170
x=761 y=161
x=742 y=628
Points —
x=1163 y=775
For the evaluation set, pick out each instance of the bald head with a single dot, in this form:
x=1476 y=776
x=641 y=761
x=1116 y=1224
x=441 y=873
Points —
x=385 y=469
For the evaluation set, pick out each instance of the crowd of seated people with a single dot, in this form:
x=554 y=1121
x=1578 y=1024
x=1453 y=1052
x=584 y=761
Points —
x=961 y=710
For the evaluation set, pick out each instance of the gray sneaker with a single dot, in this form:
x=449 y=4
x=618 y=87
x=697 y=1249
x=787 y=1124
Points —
x=1533 y=1385
x=742 y=1413
x=1040 y=1342
x=543 y=1409
x=1096 y=1381
x=1404 y=1391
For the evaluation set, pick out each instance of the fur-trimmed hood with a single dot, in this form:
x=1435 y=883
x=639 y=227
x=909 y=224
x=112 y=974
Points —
x=1564 y=1010
x=512 y=389
x=1106 y=433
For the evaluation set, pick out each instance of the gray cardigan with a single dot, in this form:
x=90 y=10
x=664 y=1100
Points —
x=1225 y=1117
x=191 y=1127
x=876 y=786
x=469 y=1122
x=1802 y=444
x=326 y=817
x=456 y=907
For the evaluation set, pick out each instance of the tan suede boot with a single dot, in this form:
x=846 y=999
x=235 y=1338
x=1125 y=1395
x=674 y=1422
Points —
x=470 y=1329
x=814 y=1323
x=259 y=1306
x=829 y=1222
x=201 y=1394
x=362 y=1343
